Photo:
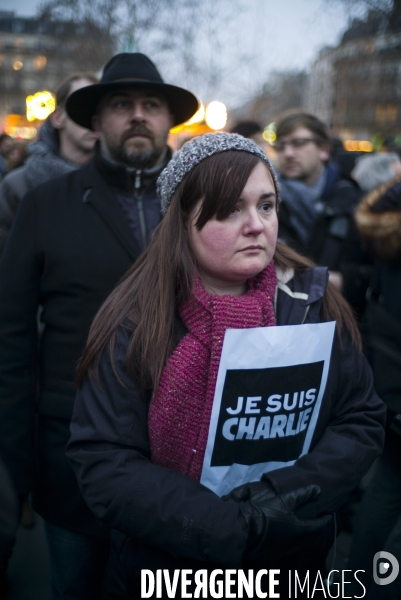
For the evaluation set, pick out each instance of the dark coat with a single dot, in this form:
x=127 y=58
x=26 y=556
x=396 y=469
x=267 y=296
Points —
x=378 y=219
x=162 y=508
x=70 y=245
x=12 y=189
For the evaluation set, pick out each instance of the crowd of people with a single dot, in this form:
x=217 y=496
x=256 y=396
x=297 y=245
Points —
x=124 y=269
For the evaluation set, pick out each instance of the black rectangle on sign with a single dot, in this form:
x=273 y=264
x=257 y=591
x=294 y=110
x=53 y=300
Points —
x=265 y=414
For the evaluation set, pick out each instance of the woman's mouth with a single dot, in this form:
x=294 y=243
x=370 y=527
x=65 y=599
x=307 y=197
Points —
x=253 y=247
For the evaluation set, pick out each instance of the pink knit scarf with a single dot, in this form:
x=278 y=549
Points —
x=179 y=412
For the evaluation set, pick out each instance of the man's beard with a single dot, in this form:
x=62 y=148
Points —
x=144 y=160
x=134 y=157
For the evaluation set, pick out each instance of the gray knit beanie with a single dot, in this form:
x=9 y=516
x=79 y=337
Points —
x=193 y=152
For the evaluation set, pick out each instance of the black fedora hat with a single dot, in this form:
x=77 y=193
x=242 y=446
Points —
x=133 y=70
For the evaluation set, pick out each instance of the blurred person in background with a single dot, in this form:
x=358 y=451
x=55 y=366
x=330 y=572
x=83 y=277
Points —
x=72 y=240
x=372 y=170
x=391 y=143
x=62 y=147
x=344 y=159
x=6 y=144
x=378 y=526
x=249 y=129
x=17 y=155
x=253 y=131
x=316 y=216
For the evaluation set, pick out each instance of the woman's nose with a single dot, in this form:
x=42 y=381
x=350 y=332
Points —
x=253 y=223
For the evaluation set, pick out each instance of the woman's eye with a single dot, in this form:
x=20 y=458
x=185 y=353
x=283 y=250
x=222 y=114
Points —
x=266 y=207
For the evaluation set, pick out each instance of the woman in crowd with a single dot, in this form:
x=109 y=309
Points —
x=148 y=375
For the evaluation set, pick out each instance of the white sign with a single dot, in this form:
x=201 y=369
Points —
x=269 y=391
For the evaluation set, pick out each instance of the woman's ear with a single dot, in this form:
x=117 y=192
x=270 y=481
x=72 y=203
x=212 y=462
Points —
x=58 y=118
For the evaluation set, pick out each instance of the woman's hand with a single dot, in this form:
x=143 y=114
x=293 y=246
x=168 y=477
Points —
x=274 y=530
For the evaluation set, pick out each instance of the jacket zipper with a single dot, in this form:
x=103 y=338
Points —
x=139 y=205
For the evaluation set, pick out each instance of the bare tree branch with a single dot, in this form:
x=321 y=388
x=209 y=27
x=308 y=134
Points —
x=192 y=42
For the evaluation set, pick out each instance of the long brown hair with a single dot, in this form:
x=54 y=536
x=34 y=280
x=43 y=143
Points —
x=161 y=280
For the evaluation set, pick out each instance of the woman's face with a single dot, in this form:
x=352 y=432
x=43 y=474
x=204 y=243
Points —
x=231 y=251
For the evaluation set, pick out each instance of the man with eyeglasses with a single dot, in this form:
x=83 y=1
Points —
x=316 y=213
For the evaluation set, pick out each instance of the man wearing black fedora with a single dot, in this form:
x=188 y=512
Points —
x=72 y=241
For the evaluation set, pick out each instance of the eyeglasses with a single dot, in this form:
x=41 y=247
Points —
x=295 y=143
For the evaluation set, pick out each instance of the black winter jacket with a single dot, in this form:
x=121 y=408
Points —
x=109 y=449
x=70 y=245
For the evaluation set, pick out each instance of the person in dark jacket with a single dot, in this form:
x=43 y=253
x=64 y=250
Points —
x=72 y=241
x=378 y=218
x=316 y=214
x=144 y=412
x=62 y=147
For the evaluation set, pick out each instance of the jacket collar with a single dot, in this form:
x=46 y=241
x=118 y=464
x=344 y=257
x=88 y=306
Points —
x=300 y=296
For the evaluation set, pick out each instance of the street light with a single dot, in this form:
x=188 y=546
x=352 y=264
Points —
x=40 y=105
x=216 y=115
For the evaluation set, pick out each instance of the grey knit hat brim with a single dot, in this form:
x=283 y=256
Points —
x=193 y=152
